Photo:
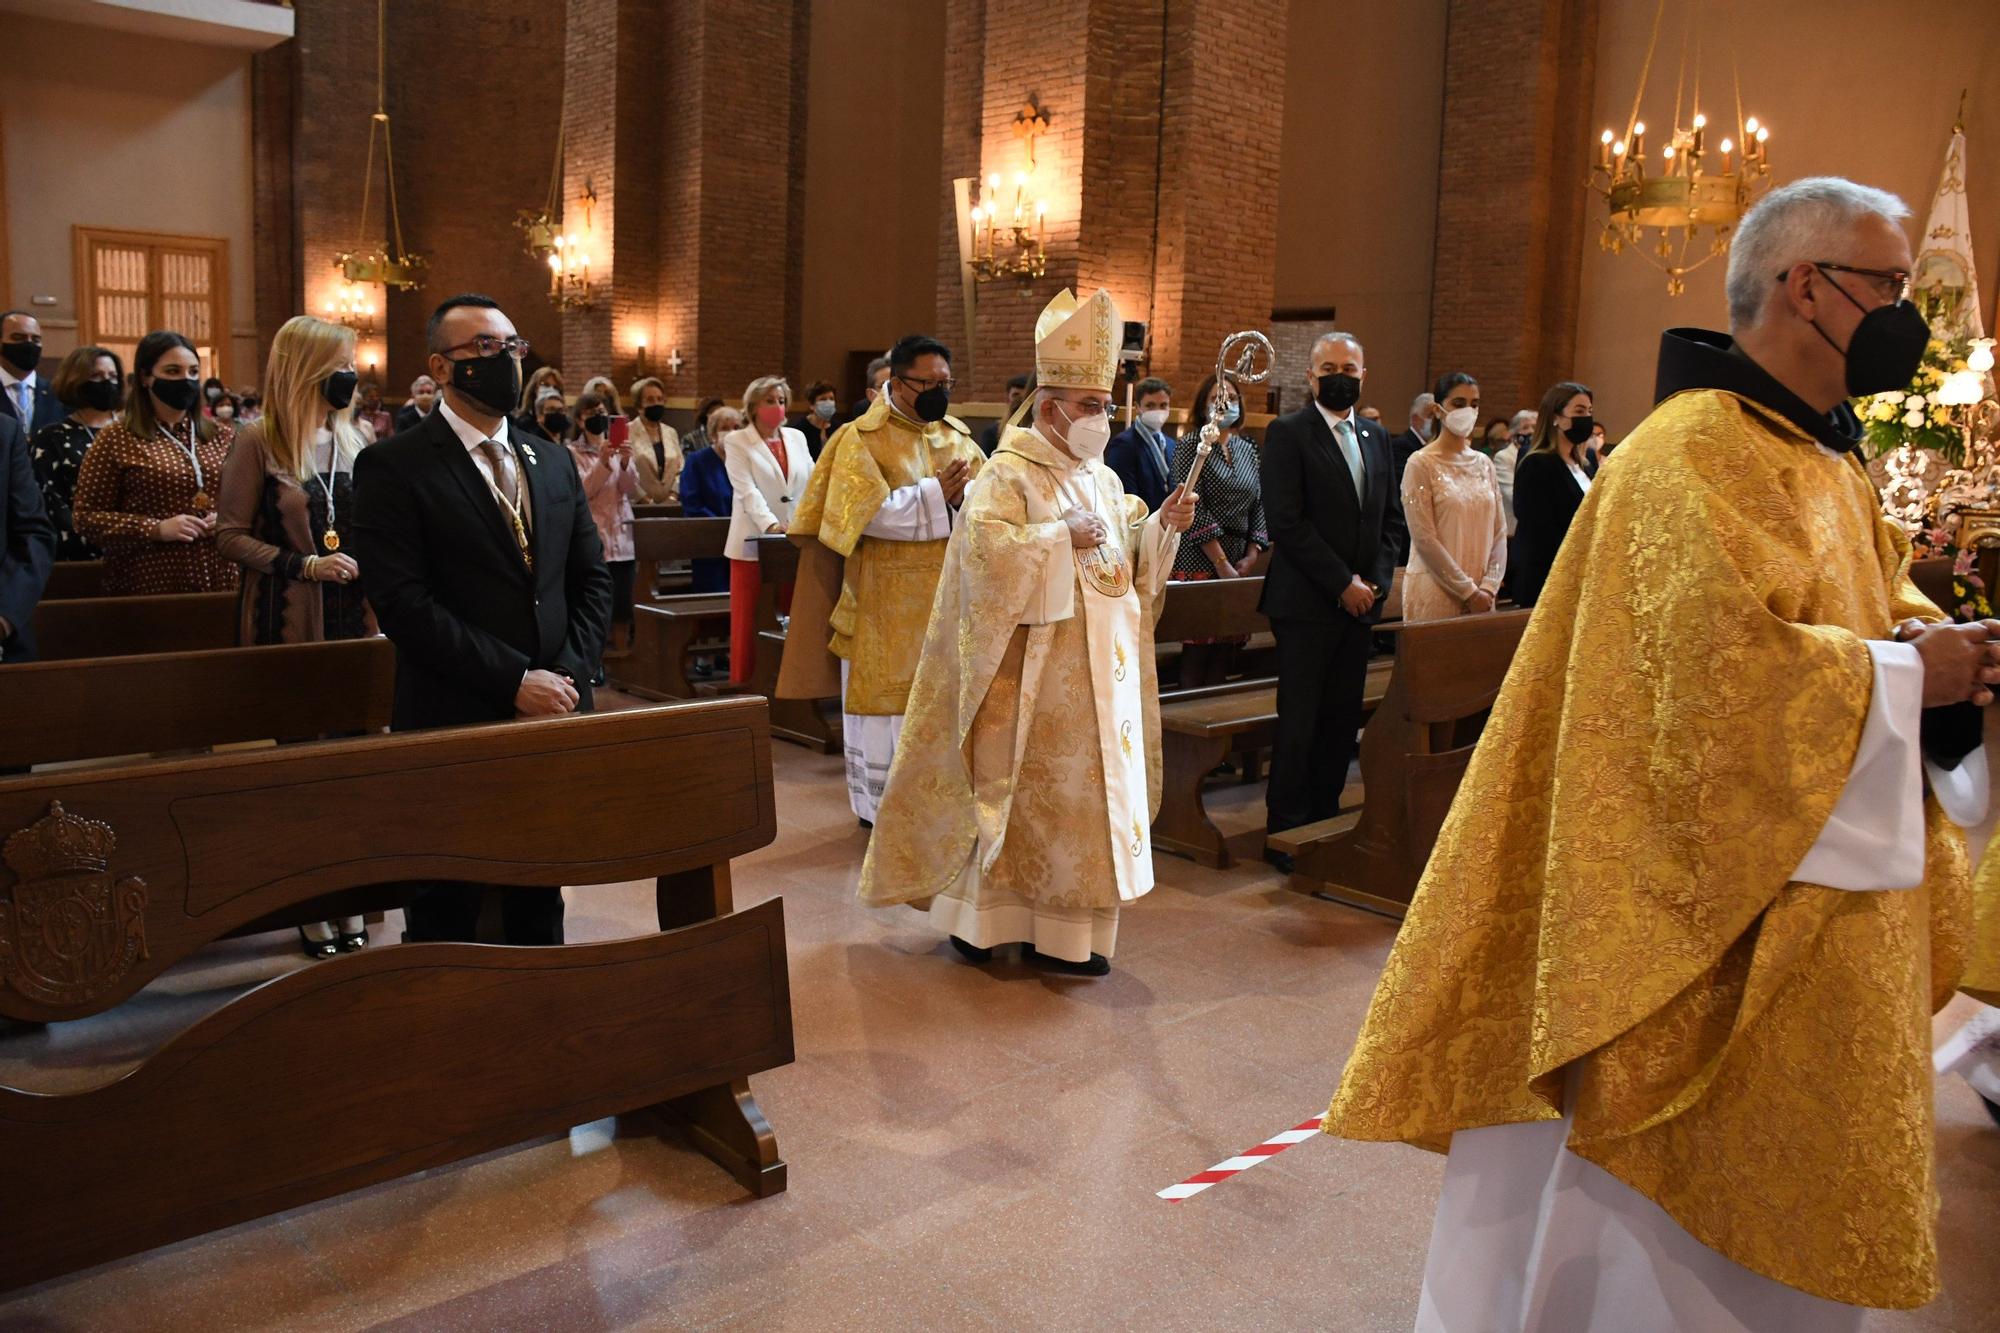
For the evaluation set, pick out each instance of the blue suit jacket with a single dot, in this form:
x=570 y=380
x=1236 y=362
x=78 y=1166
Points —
x=706 y=493
x=1133 y=458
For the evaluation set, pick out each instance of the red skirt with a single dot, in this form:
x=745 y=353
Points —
x=746 y=587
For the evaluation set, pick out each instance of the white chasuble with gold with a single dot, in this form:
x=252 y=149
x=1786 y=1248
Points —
x=1024 y=786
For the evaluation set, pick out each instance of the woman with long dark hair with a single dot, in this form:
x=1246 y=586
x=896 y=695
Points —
x=1550 y=483
x=1458 y=525
x=145 y=494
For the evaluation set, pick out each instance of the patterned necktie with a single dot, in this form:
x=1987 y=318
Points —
x=507 y=490
x=1344 y=432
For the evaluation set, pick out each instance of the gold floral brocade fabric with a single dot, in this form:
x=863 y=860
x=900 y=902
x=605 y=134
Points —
x=877 y=625
x=1610 y=898
x=999 y=755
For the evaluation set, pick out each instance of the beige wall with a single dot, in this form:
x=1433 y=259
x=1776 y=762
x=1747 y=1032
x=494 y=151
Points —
x=1864 y=90
x=872 y=166
x=1357 y=199
x=111 y=129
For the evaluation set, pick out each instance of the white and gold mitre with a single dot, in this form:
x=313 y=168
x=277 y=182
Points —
x=1076 y=344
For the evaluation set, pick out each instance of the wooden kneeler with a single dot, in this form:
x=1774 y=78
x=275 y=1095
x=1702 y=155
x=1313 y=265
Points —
x=1414 y=751
x=112 y=875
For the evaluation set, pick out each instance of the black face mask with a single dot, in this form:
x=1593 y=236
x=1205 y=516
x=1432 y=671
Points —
x=1579 y=428
x=338 y=388
x=1337 y=393
x=494 y=382
x=656 y=413
x=24 y=357
x=102 y=395
x=598 y=424
x=1886 y=349
x=180 y=395
x=932 y=403
x=556 y=424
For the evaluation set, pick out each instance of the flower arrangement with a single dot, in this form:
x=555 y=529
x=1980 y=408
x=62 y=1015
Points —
x=1920 y=416
x=1968 y=589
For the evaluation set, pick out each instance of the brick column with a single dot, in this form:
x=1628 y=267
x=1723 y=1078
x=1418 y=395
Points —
x=1174 y=139
x=1512 y=206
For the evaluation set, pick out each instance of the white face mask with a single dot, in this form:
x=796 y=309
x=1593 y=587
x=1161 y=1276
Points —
x=1086 y=437
x=1460 y=420
x=1154 y=420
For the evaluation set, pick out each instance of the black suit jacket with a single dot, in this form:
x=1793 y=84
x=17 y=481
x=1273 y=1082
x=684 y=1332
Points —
x=27 y=542
x=408 y=418
x=47 y=410
x=441 y=568
x=1546 y=498
x=1322 y=533
x=1133 y=459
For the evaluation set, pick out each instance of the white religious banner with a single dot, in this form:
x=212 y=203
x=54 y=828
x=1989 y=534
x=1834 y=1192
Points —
x=1944 y=277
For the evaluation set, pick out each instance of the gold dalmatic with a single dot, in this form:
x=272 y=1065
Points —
x=1610 y=902
x=886 y=587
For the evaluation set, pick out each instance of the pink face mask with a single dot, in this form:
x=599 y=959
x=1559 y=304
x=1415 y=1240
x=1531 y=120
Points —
x=769 y=417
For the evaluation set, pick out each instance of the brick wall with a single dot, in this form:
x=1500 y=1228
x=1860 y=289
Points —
x=1511 y=203
x=1150 y=105
x=465 y=164
x=274 y=212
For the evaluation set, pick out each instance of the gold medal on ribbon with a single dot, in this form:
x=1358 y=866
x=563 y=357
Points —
x=331 y=541
x=203 y=502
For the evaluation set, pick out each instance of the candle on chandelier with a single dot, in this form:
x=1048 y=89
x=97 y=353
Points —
x=1700 y=124
x=1763 y=133
x=1604 y=149
x=1639 y=142
x=1041 y=226
x=1726 y=147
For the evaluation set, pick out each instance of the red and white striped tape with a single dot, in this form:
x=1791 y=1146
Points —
x=1222 y=1171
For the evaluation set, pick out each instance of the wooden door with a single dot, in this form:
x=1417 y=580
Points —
x=131 y=282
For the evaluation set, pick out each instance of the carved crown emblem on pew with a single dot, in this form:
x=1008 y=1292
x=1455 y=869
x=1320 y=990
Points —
x=68 y=929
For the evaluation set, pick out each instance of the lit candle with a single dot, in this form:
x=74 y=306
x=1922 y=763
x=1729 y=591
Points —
x=1639 y=142
x=555 y=272
x=1604 y=149
x=1726 y=147
x=1763 y=133
x=1041 y=226
x=1667 y=158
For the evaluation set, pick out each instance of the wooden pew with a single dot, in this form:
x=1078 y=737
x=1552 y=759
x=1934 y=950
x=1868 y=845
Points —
x=1413 y=754
x=469 y=1048
x=1932 y=575
x=74 y=578
x=815 y=723
x=665 y=628
x=645 y=511
x=88 y=708
x=122 y=626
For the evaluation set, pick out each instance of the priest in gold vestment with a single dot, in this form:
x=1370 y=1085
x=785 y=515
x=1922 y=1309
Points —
x=881 y=499
x=1665 y=989
x=1020 y=804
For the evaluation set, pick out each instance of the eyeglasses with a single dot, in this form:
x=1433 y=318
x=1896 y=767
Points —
x=922 y=385
x=485 y=344
x=1090 y=407
x=1891 y=284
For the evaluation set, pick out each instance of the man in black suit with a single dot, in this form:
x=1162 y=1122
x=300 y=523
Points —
x=1141 y=454
x=24 y=395
x=1402 y=446
x=479 y=555
x=27 y=544
x=1330 y=498
x=423 y=401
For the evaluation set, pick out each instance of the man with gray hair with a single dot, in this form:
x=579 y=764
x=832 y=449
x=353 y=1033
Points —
x=1665 y=988
x=1331 y=502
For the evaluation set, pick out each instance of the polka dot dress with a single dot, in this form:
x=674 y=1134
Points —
x=127 y=485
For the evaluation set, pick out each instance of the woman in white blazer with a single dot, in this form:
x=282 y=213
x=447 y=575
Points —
x=768 y=465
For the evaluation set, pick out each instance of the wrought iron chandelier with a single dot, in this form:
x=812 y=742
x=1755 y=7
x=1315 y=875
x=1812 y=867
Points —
x=395 y=267
x=1697 y=185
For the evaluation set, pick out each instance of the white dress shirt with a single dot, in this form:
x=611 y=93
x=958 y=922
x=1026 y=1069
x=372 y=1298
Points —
x=12 y=384
x=471 y=437
x=1355 y=464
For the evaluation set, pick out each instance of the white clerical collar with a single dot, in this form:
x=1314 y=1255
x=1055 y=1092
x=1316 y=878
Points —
x=468 y=434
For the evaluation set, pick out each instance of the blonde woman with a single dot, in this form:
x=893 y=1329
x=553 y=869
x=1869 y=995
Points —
x=287 y=494
x=768 y=465
x=547 y=377
x=656 y=446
